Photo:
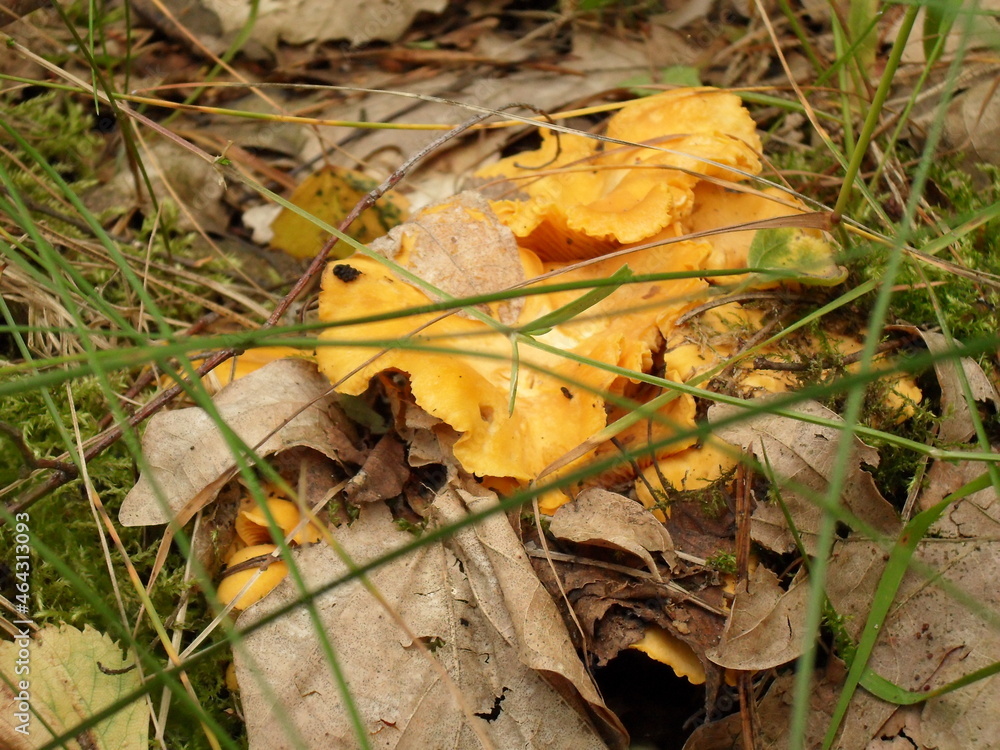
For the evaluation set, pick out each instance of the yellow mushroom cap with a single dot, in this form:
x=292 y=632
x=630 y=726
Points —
x=690 y=469
x=571 y=200
x=231 y=585
x=467 y=385
x=658 y=644
x=252 y=526
x=232 y=683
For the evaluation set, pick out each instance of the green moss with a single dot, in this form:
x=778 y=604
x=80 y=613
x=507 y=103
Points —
x=63 y=521
x=972 y=309
x=724 y=562
x=61 y=129
x=836 y=625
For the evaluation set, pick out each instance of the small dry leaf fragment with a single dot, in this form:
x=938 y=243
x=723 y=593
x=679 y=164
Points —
x=802 y=457
x=608 y=519
x=764 y=629
x=956 y=423
x=383 y=475
x=285 y=404
x=460 y=247
x=271 y=576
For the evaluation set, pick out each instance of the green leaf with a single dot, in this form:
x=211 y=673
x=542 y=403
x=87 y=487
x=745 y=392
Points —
x=793 y=255
x=938 y=19
x=677 y=75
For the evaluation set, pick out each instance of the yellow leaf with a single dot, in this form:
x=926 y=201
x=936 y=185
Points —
x=71 y=675
x=330 y=194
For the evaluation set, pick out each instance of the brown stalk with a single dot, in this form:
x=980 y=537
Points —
x=760 y=363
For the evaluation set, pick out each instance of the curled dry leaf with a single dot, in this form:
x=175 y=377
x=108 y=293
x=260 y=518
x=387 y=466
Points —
x=774 y=715
x=802 y=457
x=383 y=474
x=608 y=519
x=765 y=627
x=956 y=420
x=477 y=605
x=283 y=405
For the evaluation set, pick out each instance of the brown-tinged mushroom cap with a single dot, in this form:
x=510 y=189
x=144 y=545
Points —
x=560 y=402
x=231 y=585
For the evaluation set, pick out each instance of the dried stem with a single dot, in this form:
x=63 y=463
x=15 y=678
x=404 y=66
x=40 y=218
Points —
x=760 y=363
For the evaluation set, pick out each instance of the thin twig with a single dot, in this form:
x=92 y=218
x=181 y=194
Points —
x=761 y=363
x=29 y=457
x=720 y=301
x=634 y=572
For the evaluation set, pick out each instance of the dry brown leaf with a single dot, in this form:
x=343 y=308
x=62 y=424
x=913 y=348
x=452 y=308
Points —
x=383 y=474
x=802 y=456
x=956 y=422
x=929 y=638
x=461 y=248
x=614 y=608
x=174 y=172
x=608 y=519
x=764 y=629
x=774 y=714
x=304 y=21
x=283 y=405
x=973 y=122
x=473 y=600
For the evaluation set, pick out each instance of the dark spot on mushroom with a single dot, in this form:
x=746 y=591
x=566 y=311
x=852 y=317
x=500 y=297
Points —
x=345 y=272
x=566 y=392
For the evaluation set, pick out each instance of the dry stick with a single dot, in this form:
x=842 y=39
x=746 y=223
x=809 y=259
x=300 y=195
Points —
x=28 y=456
x=725 y=300
x=760 y=363
x=744 y=681
x=108 y=438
